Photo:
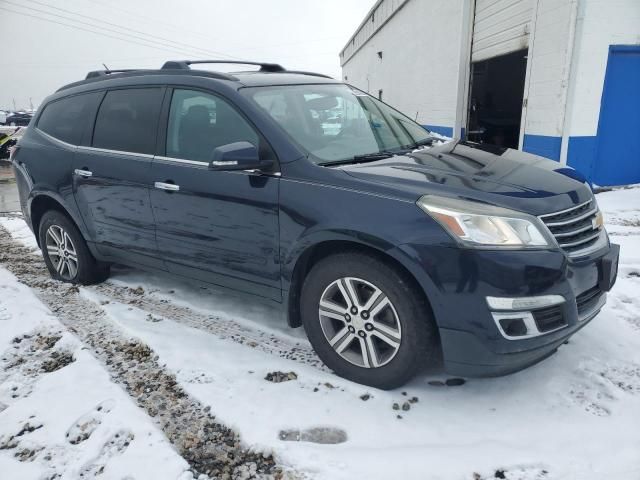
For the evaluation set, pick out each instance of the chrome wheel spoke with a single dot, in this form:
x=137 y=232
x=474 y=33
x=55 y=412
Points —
x=386 y=334
x=54 y=233
x=72 y=268
x=348 y=293
x=375 y=296
x=342 y=345
x=61 y=252
x=330 y=309
x=369 y=350
x=368 y=335
x=339 y=336
x=384 y=302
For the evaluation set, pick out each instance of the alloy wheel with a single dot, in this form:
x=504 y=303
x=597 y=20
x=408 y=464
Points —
x=360 y=322
x=62 y=252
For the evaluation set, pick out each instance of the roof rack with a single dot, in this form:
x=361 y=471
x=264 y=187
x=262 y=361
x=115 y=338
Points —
x=313 y=74
x=185 y=64
x=101 y=73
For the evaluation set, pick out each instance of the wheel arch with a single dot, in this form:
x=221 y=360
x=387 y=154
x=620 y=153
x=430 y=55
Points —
x=42 y=203
x=314 y=253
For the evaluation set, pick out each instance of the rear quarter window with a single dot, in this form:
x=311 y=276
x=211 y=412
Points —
x=66 y=119
x=127 y=120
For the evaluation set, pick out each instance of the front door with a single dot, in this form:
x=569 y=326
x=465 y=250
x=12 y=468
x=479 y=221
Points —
x=221 y=227
x=112 y=175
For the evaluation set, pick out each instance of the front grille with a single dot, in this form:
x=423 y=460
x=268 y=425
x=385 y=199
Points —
x=586 y=301
x=550 y=318
x=574 y=228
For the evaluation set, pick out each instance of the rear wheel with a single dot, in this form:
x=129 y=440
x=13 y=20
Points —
x=66 y=253
x=366 y=320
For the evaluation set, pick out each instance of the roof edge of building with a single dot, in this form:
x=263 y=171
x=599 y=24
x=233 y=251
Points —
x=363 y=23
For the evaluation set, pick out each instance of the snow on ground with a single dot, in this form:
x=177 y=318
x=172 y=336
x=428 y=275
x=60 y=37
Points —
x=20 y=231
x=60 y=414
x=573 y=416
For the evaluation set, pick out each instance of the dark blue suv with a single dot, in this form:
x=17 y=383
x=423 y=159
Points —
x=394 y=248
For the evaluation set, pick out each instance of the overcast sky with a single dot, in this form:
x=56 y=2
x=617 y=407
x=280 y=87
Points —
x=39 y=56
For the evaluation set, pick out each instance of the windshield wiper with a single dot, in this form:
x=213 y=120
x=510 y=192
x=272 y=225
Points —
x=425 y=142
x=367 y=157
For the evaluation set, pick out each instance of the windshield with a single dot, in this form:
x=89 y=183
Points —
x=338 y=123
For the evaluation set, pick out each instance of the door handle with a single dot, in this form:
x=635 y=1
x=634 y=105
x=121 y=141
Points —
x=82 y=173
x=170 y=187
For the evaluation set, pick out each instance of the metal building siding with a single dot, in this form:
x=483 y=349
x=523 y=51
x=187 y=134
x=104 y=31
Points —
x=378 y=16
x=500 y=27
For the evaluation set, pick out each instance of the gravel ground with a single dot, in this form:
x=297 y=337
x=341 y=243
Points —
x=211 y=449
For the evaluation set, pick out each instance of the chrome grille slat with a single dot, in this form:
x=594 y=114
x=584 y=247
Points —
x=594 y=236
x=572 y=220
x=572 y=232
x=573 y=228
x=567 y=210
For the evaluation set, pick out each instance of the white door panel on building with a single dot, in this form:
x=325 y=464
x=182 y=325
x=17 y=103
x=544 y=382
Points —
x=500 y=27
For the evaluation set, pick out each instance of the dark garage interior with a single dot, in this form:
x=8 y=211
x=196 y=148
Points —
x=495 y=106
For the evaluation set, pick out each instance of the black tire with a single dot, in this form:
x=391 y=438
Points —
x=88 y=270
x=418 y=346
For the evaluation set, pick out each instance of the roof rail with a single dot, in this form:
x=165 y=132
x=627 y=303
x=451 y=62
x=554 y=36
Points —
x=313 y=74
x=101 y=73
x=185 y=64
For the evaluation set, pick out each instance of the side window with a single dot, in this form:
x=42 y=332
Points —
x=128 y=120
x=200 y=122
x=67 y=118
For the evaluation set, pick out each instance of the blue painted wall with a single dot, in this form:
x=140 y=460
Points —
x=617 y=160
x=446 y=131
x=543 y=145
x=581 y=154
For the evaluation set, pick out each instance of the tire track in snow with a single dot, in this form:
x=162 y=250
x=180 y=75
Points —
x=211 y=449
x=219 y=325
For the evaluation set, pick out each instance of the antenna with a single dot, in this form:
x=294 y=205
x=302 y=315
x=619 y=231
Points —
x=105 y=67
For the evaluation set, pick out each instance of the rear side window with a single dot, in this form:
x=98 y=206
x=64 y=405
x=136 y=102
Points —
x=128 y=119
x=67 y=118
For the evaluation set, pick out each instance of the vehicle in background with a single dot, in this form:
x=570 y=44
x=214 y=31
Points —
x=20 y=119
x=394 y=249
x=3 y=117
x=8 y=138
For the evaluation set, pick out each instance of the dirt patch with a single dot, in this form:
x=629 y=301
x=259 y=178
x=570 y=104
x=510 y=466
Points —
x=279 y=377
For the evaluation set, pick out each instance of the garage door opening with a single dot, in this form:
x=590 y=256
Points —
x=495 y=106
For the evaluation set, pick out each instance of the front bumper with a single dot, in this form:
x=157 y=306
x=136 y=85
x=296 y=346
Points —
x=458 y=281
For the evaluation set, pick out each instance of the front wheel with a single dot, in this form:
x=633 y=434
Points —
x=366 y=320
x=66 y=253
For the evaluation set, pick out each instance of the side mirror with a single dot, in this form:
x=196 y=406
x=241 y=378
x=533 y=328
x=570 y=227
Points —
x=237 y=156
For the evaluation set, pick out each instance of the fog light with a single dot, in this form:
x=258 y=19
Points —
x=513 y=327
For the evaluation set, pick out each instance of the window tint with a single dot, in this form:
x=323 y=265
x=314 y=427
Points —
x=199 y=122
x=67 y=118
x=128 y=120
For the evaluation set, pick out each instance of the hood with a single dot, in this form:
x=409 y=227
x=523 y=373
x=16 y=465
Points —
x=499 y=176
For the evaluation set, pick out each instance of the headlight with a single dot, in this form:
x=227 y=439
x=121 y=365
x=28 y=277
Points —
x=479 y=224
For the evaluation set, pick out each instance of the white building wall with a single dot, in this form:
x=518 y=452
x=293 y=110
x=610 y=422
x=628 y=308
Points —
x=426 y=48
x=549 y=59
x=600 y=23
x=423 y=69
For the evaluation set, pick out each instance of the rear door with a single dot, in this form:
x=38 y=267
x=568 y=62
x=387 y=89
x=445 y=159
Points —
x=221 y=227
x=112 y=174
